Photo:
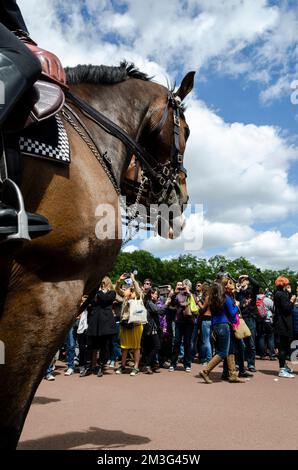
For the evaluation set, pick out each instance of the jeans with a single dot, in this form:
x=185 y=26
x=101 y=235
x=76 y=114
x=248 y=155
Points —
x=250 y=348
x=266 y=341
x=222 y=339
x=182 y=331
x=181 y=350
x=115 y=350
x=70 y=344
x=206 y=348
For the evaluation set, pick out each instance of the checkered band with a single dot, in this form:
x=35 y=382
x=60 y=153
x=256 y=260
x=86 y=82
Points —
x=35 y=148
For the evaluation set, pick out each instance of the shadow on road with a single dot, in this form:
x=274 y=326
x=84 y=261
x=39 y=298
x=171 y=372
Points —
x=214 y=376
x=269 y=372
x=44 y=400
x=94 y=438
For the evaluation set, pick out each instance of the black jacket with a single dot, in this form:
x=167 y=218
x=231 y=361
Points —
x=283 y=317
x=250 y=311
x=101 y=320
x=11 y=16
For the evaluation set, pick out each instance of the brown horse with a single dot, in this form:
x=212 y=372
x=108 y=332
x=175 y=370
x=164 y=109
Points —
x=42 y=282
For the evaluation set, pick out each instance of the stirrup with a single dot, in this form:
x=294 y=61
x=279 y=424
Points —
x=17 y=201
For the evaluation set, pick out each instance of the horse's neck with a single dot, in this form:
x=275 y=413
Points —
x=116 y=103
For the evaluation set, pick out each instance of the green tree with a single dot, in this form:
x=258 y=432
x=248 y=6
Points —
x=193 y=268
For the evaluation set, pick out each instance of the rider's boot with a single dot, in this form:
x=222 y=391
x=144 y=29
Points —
x=15 y=222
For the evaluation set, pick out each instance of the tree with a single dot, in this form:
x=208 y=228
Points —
x=193 y=268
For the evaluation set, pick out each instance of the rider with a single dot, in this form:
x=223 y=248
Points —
x=19 y=69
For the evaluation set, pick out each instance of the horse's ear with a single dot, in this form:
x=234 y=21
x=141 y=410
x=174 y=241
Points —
x=186 y=85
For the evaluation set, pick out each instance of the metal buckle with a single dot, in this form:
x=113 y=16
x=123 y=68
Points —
x=180 y=158
x=176 y=120
x=162 y=181
x=166 y=171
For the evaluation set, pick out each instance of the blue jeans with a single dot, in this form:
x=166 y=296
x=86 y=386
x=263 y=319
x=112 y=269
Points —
x=222 y=339
x=70 y=344
x=181 y=350
x=206 y=348
x=115 y=350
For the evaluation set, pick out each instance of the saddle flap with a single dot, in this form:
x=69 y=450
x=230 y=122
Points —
x=41 y=102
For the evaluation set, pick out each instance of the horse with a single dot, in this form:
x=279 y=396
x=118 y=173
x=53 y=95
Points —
x=42 y=281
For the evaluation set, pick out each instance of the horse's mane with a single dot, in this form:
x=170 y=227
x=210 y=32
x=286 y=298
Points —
x=103 y=73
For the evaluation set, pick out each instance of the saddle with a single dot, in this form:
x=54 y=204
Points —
x=46 y=97
x=42 y=102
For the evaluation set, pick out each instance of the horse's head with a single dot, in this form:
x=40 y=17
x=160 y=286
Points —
x=164 y=136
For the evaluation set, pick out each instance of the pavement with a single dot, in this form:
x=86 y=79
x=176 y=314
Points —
x=166 y=411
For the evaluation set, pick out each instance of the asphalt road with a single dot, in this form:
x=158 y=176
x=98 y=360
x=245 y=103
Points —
x=164 y=411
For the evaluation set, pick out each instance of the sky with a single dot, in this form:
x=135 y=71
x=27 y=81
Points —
x=242 y=154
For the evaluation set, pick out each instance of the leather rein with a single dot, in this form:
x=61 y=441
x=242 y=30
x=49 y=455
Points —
x=164 y=175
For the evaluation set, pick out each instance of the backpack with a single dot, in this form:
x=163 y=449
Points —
x=262 y=311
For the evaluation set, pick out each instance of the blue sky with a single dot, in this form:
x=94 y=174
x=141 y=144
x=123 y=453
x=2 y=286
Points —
x=242 y=156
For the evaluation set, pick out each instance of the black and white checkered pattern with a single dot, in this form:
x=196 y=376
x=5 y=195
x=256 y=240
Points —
x=36 y=148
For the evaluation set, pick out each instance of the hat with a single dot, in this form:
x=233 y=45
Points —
x=243 y=276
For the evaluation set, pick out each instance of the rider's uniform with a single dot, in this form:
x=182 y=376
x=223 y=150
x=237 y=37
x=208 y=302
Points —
x=19 y=68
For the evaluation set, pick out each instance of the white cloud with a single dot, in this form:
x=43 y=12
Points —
x=200 y=235
x=236 y=36
x=268 y=250
x=130 y=248
x=239 y=172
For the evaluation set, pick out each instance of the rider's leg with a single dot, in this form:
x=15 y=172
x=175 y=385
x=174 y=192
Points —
x=19 y=69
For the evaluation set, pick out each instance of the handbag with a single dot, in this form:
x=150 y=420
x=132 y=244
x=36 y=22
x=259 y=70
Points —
x=242 y=331
x=137 y=311
x=192 y=305
x=126 y=325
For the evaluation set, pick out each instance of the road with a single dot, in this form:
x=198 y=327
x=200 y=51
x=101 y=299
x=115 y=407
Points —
x=170 y=410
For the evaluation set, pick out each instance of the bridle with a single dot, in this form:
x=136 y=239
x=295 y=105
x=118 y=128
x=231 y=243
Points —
x=167 y=173
x=159 y=180
x=160 y=174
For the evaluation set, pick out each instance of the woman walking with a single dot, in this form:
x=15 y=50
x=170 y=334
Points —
x=223 y=314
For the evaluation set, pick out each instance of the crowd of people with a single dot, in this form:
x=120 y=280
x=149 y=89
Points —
x=183 y=325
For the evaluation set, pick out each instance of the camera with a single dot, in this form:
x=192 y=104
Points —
x=164 y=290
x=128 y=275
